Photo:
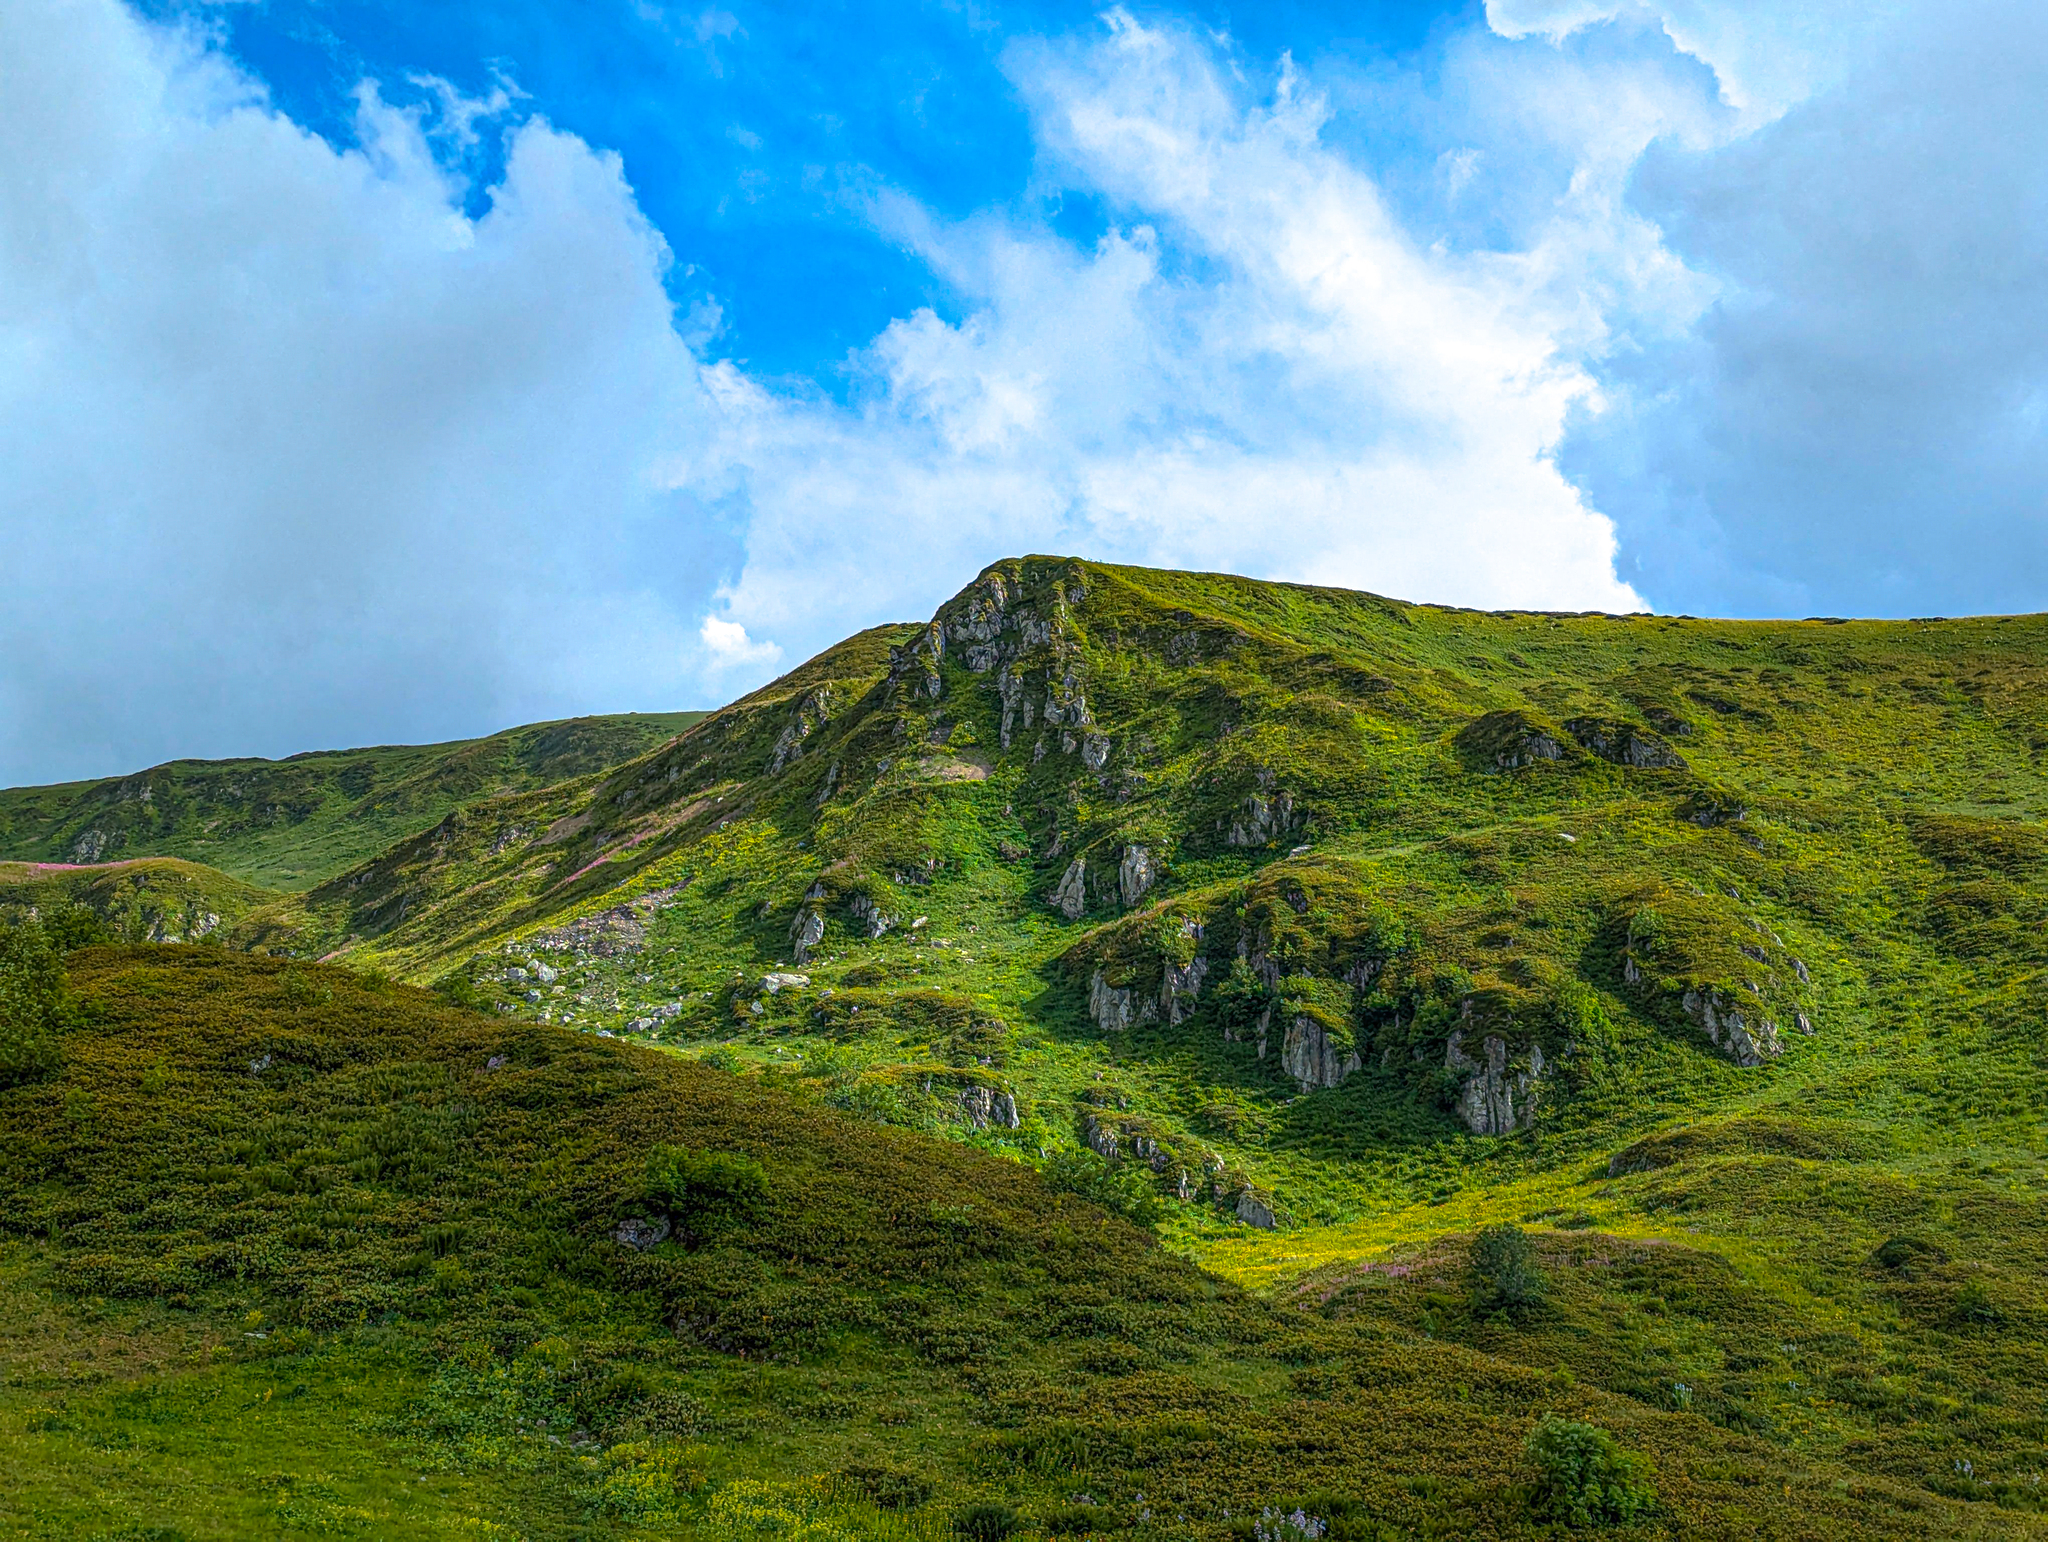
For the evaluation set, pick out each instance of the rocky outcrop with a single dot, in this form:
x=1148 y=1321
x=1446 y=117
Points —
x=1496 y=1096
x=1135 y=874
x=1181 y=984
x=989 y=1108
x=782 y=981
x=1746 y=1037
x=1265 y=818
x=1624 y=744
x=1309 y=1055
x=1070 y=896
x=1115 y=1008
x=869 y=916
x=806 y=932
x=640 y=1234
x=813 y=711
x=1254 y=1211
x=1509 y=741
x=1711 y=809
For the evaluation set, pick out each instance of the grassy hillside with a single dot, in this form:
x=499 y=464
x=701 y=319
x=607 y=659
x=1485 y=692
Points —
x=1319 y=932
x=287 y=824
x=289 y=1250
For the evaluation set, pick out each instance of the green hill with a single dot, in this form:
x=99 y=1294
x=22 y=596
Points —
x=1319 y=932
x=292 y=1251
x=287 y=824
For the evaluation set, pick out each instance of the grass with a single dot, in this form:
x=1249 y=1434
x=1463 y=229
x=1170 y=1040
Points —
x=1809 y=1288
x=289 y=824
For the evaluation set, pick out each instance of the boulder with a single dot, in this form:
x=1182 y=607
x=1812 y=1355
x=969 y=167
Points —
x=988 y=1107
x=1070 y=897
x=640 y=1234
x=1254 y=1211
x=1134 y=875
x=1496 y=1097
x=1115 y=1008
x=1747 y=1038
x=1308 y=1055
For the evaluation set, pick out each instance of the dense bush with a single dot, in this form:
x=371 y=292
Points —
x=704 y=1192
x=1504 y=1273
x=35 y=1003
x=1585 y=1478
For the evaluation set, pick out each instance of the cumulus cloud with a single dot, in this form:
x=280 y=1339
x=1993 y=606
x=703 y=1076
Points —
x=1256 y=369
x=297 y=453
x=1856 y=423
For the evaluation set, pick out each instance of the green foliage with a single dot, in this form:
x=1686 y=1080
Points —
x=985 y=1523
x=35 y=1003
x=705 y=1192
x=1119 y=1190
x=1504 y=1272
x=1584 y=1478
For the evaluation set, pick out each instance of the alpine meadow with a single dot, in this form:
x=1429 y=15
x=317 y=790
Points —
x=1141 y=1054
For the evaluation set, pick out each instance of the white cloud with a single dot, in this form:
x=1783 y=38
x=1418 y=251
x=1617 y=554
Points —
x=728 y=644
x=296 y=453
x=1256 y=370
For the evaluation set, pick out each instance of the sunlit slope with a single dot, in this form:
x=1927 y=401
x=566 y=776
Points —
x=288 y=824
x=287 y=1249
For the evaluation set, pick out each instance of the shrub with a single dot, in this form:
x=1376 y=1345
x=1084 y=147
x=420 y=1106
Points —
x=889 y=1488
x=1079 y=1520
x=1504 y=1269
x=78 y=927
x=1584 y=1476
x=35 y=1003
x=705 y=1191
x=1119 y=1190
x=985 y=1523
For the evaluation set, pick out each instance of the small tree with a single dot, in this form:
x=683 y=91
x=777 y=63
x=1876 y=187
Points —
x=705 y=1191
x=35 y=1003
x=1504 y=1269
x=1584 y=1476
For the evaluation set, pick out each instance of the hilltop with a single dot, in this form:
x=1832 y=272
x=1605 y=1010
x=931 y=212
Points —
x=288 y=824
x=1316 y=931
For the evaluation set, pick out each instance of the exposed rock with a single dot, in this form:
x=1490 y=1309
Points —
x=1496 y=1098
x=1307 y=1055
x=1115 y=1008
x=1100 y=1137
x=1182 y=984
x=1746 y=1040
x=1799 y=969
x=1804 y=1023
x=87 y=848
x=806 y=932
x=1623 y=743
x=1709 y=809
x=868 y=916
x=515 y=976
x=546 y=974
x=1509 y=741
x=1094 y=752
x=1263 y=820
x=813 y=711
x=989 y=1106
x=1070 y=898
x=641 y=1234
x=1134 y=874
x=1254 y=1211
x=778 y=981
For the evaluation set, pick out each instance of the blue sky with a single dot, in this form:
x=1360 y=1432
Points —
x=374 y=372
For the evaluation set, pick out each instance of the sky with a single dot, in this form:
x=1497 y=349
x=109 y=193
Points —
x=381 y=373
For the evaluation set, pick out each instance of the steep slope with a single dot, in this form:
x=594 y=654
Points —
x=1374 y=923
x=288 y=824
x=288 y=1250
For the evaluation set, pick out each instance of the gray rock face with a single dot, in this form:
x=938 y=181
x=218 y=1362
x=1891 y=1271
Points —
x=779 y=981
x=1497 y=1098
x=1624 y=744
x=1101 y=1138
x=1134 y=875
x=641 y=1234
x=1264 y=818
x=1115 y=1008
x=1254 y=1211
x=805 y=933
x=988 y=1107
x=545 y=973
x=1307 y=1055
x=1748 y=1039
x=1181 y=985
x=1070 y=898
x=868 y=916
